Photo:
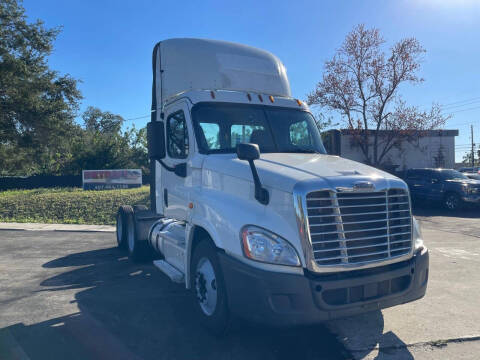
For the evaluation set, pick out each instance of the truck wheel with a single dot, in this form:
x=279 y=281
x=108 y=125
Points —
x=137 y=250
x=122 y=214
x=452 y=201
x=210 y=295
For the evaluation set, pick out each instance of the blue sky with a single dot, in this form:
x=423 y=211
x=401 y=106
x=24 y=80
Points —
x=108 y=44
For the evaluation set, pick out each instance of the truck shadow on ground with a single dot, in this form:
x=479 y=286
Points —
x=130 y=311
x=365 y=336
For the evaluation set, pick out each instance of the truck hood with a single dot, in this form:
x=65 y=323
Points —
x=283 y=170
x=471 y=182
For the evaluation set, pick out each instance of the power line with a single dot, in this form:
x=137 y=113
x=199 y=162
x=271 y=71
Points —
x=455 y=103
x=447 y=106
x=462 y=101
x=140 y=117
x=474 y=108
x=459 y=106
x=137 y=118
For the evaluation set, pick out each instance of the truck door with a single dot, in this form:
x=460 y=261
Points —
x=179 y=136
x=417 y=181
x=435 y=186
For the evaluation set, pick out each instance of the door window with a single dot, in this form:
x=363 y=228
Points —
x=177 y=136
x=413 y=175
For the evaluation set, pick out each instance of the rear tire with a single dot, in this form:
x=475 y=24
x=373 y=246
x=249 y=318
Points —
x=122 y=215
x=137 y=249
x=209 y=291
x=452 y=202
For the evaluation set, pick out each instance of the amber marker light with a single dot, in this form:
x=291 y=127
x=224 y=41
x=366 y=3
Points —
x=246 y=248
x=299 y=102
x=271 y=99
x=260 y=98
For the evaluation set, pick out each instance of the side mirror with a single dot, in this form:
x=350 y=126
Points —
x=181 y=170
x=248 y=151
x=156 y=140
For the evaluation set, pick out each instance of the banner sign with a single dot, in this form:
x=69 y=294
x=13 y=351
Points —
x=111 y=179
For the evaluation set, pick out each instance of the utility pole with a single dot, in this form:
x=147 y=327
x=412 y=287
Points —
x=473 y=147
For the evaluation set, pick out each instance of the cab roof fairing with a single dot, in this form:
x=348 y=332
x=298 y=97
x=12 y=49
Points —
x=181 y=65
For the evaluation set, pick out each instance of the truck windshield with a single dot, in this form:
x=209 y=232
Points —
x=220 y=127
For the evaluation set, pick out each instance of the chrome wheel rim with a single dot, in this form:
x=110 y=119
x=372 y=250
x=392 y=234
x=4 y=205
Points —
x=119 y=229
x=452 y=202
x=130 y=236
x=206 y=286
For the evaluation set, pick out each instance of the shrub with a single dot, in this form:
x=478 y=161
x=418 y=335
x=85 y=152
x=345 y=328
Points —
x=68 y=205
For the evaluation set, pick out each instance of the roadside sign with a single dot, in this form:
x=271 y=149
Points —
x=111 y=179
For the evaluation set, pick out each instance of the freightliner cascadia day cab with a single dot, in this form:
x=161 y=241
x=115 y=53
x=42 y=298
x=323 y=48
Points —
x=250 y=213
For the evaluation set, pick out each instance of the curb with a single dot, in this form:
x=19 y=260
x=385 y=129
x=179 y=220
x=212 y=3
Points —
x=56 y=227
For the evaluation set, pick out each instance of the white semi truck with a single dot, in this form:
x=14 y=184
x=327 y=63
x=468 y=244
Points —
x=247 y=208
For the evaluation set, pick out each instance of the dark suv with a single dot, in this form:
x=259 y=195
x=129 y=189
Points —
x=448 y=186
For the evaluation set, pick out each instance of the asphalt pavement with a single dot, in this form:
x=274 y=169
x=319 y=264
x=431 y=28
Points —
x=70 y=293
x=74 y=295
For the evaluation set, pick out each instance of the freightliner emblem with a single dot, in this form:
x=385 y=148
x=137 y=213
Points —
x=363 y=186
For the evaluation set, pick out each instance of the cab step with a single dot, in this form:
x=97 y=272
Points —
x=173 y=273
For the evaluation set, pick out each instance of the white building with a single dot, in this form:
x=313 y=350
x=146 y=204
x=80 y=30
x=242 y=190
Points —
x=435 y=148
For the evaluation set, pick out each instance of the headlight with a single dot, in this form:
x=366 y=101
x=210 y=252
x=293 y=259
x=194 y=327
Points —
x=417 y=235
x=262 y=245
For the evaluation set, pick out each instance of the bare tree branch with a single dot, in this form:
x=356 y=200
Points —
x=361 y=83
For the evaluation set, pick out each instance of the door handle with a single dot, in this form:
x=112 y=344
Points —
x=165 y=197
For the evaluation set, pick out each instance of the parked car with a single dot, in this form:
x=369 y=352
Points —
x=471 y=172
x=448 y=186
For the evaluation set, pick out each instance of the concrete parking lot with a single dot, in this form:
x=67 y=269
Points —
x=74 y=295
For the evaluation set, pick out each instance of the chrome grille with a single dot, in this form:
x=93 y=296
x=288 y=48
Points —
x=358 y=227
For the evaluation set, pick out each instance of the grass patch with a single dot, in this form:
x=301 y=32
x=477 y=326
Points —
x=68 y=205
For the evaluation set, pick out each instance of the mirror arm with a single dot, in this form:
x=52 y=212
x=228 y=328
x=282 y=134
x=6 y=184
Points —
x=261 y=194
x=179 y=169
x=168 y=168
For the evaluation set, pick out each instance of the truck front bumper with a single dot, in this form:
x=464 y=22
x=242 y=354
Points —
x=287 y=299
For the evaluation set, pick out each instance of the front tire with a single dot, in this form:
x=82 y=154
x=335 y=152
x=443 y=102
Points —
x=452 y=202
x=210 y=295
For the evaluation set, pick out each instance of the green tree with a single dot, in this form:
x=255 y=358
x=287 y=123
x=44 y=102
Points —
x=37 y=104
x=101 y=144
x=104 y=122
x=467 y=158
